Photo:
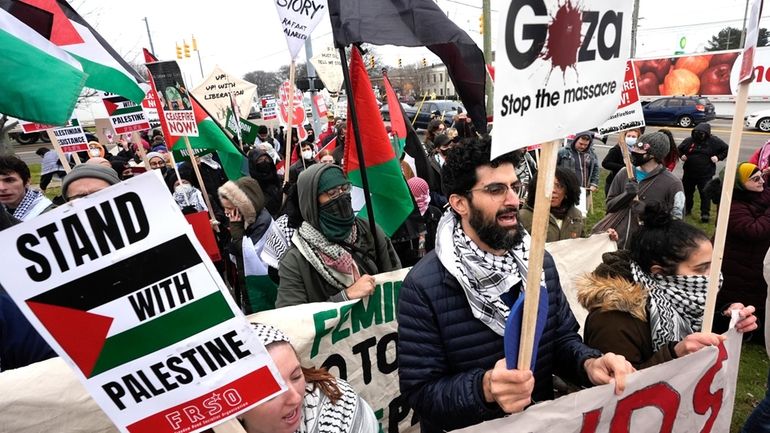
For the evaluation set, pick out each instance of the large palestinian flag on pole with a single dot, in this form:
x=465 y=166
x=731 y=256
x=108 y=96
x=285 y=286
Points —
x=210 y=137
x=391 y=199
x=39 y=81
x=58 y=22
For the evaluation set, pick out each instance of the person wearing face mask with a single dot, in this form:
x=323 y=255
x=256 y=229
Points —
x=314 y=401
x=652 y=183
x=262 y=168
x=700 y=153
x=332 y=257
x=157 y=161
x=441 y=144
x=417 y=235
x=579 y=157
x=613 y=162
x=647 y=303
x=307 y=159
x=746 y=243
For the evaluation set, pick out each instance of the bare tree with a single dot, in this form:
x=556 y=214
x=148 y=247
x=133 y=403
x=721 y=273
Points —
x=6 y=147
x=267 y=82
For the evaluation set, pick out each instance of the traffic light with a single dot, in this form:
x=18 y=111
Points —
x=399 y=62
x=194 y=44
x=178 y=52
x=481 y=24
x=371 y=62
x=186 y=49
x=424 y=62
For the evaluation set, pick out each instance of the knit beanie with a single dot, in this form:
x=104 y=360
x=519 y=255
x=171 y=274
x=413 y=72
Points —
x=654 y=143
x=91 y=171
x=743 y=173
x=330 y=178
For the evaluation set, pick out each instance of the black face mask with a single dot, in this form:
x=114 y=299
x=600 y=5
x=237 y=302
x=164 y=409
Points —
x=336 y=218
x=639 y=159
x=698 y=135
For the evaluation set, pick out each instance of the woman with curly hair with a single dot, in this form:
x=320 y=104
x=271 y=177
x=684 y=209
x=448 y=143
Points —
x=314 y=400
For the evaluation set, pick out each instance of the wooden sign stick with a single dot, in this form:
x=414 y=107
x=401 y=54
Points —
x=200 y=179
x=62 y=157
x=731 y=163
x=290 y=108
x=540 y=218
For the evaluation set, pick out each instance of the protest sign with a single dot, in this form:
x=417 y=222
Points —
x=629 y=113
x=269 y=109
x=328 y=66
x=299 y=18
x=29 y=127
x=754 y=10
x=214 y=93
x=689 y=394
x=295 y=114
x=71 y=137
x=175 y=106
x=248 y=129
x=569 y=59
x=151 y=109
x=320 y=106
x=125 y=115
x=357 y=342
x=118 y=285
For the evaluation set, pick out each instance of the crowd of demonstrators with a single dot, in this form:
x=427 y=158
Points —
x=746 y=243
x=268 y=144
x=17 y=196
x=580 y=157
x=614 y=161
x=434 y=128
x=306 y=159
x=652 y=183
x=646 y=303
x=700 y=153
x=417 y=235
x=334 y=255
x=463 y=291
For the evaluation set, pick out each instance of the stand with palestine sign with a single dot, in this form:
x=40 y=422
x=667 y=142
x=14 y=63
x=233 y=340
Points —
x=125 y=115
x=119 y=286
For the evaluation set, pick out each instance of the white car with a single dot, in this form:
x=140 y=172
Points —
x=759 y=120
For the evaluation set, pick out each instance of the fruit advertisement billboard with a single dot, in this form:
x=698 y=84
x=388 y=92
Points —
x=694 y=74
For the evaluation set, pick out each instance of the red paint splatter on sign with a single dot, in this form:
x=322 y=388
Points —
x=564 y=38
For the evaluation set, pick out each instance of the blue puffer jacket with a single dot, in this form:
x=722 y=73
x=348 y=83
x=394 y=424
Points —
x=443 y=351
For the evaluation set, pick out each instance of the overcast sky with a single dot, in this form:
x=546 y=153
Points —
x=243 y=36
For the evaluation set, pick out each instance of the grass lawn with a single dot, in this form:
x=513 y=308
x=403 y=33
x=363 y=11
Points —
x=54 y=188
x=752 y=376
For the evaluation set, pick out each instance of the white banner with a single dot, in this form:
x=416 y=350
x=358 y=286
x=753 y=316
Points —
x=629 y=113
x=214 y=94
x=298 y=19
x=560 y=68
x=328 y=65
x=694 y=393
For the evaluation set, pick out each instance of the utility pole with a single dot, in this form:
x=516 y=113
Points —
x=744 y=29
x=634 y=22
x=195 y=48
x=486 y=13
x=149 y=36
x=311 y=77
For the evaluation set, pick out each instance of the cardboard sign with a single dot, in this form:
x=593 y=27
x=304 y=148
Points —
x=754 y=9
x=214 y=93
x=328 y=66
x=151 y=109
x=629 y=113
x=296 y=105
x=569 y=59
x=118 y=285
x=125 y=115
x=320 y=106
x=299 y=18
x=29 y=127
x=270 y=109
x=71 y=137
x=175 y=106
x=248 y=129
x=689 y=394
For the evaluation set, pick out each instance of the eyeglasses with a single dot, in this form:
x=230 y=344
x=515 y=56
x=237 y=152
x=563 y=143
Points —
x=338 y=191
x=756 y=179
x=498 y=190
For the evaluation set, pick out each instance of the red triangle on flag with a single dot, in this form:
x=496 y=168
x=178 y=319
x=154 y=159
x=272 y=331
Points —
x=81 y=334
x=110 y=106
x=62 y=31
x=330 y=146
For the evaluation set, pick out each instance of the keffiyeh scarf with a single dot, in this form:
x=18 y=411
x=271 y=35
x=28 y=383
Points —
x=350 y=414
x=675 y=304
x=31 y=199
x=325 y=255
x=189 y=196
x=278 y=241
x=484 y=277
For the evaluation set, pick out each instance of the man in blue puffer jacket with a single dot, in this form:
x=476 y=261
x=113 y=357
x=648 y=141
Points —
x=453 y=306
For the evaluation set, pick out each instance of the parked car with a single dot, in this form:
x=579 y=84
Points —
x=683 y=111
x=759 y=120
x=445 y=107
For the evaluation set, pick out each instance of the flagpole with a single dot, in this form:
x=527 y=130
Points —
x=359 y=149
x=194 y=164
x=290 y=111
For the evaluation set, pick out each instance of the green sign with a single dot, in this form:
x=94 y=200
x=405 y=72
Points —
x=248 y=129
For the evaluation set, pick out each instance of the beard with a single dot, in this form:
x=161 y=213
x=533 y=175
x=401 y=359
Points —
x=491 y=233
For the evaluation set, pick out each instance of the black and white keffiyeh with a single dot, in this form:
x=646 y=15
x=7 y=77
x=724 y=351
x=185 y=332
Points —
x=187 y=196
x=484 y=277
x=350 y=414
x=278 y=241
x=675 y=304
x=30 y=200
x=268 y=334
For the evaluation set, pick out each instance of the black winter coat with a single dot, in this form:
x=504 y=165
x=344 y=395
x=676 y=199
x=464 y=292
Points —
x=443 y=351
x=698 y=164
x=614 y=163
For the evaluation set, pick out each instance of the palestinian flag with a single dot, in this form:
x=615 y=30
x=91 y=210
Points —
x=58 y=22
x=40 y=82
x=404 y=135
x=330 y=146
x=89 y=322
x=210 y=137
x=261 y=291
x=391 y=200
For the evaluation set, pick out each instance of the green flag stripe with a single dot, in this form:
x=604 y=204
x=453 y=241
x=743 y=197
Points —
x=262 y=292
x=148 y=337
x=211 y=138
x=392 y=201
x=105 y=78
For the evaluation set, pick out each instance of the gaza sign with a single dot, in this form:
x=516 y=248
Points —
x=560 y=68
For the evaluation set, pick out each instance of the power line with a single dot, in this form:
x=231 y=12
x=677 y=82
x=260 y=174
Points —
x=468 y=5
x=679 y=26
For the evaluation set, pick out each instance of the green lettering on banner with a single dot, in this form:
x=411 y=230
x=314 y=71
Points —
x=363 y=315
x=319 y=320
x=338 y=333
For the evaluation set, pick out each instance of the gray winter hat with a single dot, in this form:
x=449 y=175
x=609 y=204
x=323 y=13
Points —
x=654 y=143
x=91 y=171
